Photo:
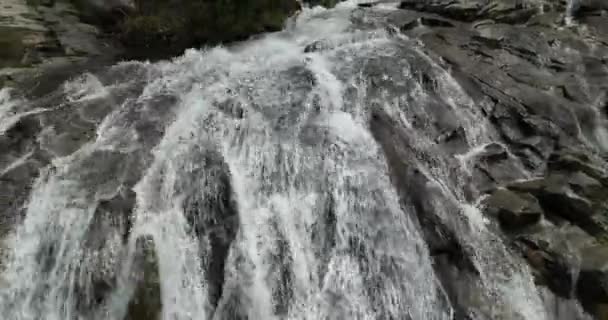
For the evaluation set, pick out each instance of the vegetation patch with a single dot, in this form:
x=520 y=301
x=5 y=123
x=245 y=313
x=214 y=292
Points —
x=189 y=23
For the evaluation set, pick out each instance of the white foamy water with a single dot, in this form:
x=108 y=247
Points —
x=12 y=109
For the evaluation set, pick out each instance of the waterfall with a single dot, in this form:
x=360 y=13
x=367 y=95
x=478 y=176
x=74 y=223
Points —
x=571 y=8
x=275 y=179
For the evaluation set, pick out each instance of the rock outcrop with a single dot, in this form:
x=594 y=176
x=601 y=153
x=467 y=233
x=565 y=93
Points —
x=176 y=25
x=37 y=36
x=540 y=70
x=60 y=33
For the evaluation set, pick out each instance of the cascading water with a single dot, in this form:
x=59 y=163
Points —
x=261 y=182
x=571 y=8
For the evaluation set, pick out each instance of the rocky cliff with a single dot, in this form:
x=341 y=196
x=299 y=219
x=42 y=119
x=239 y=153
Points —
x=540 y=68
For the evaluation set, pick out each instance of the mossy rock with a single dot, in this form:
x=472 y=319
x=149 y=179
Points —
x=106 y=13
x=181 y=24
x=323 y=3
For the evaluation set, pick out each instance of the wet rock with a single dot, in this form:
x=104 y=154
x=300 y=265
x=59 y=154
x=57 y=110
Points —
x=589 y=7
x=451 y=262
x=504 y=11
x=20 y=163
x=36 y=36
x=368 y=4
x=172 y=26
x=458 y=10
x=317 y=46
x=573 y=161
x=534 y=151
x=146 y=302
x=551 y=268
x=530 y=114
x=427 y=21
x=575 y=197
x=329 y=3
x=514 y=210
x=432 y=22
x=493 y=166
x=592 y=286
x=410 y=25
x=105 y=237
x=104 y=11
x=118 y=210
x=324 y=235
x=212 y=215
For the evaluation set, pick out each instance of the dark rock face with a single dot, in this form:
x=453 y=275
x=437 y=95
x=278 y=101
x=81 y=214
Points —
x=593 y=285
x=514 y=210
x=36 y=33
x=325 y=3
x=212 y=215
x=552 y=268
x=146 y=302
x=452 y=264
x=570 y=194
x=589 y=7
x=177 y=25
x=543 y=87
x=103 y=11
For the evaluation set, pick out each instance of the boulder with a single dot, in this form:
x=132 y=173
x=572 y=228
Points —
x=458 y=10
x=493 y=166
x=577 y=161
x=106 y=12
x=554 y=253
x=574 y=197
x=592 y=286
x=514 y=210
x=550 y=269
x=587 y=7
x=324 y=3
